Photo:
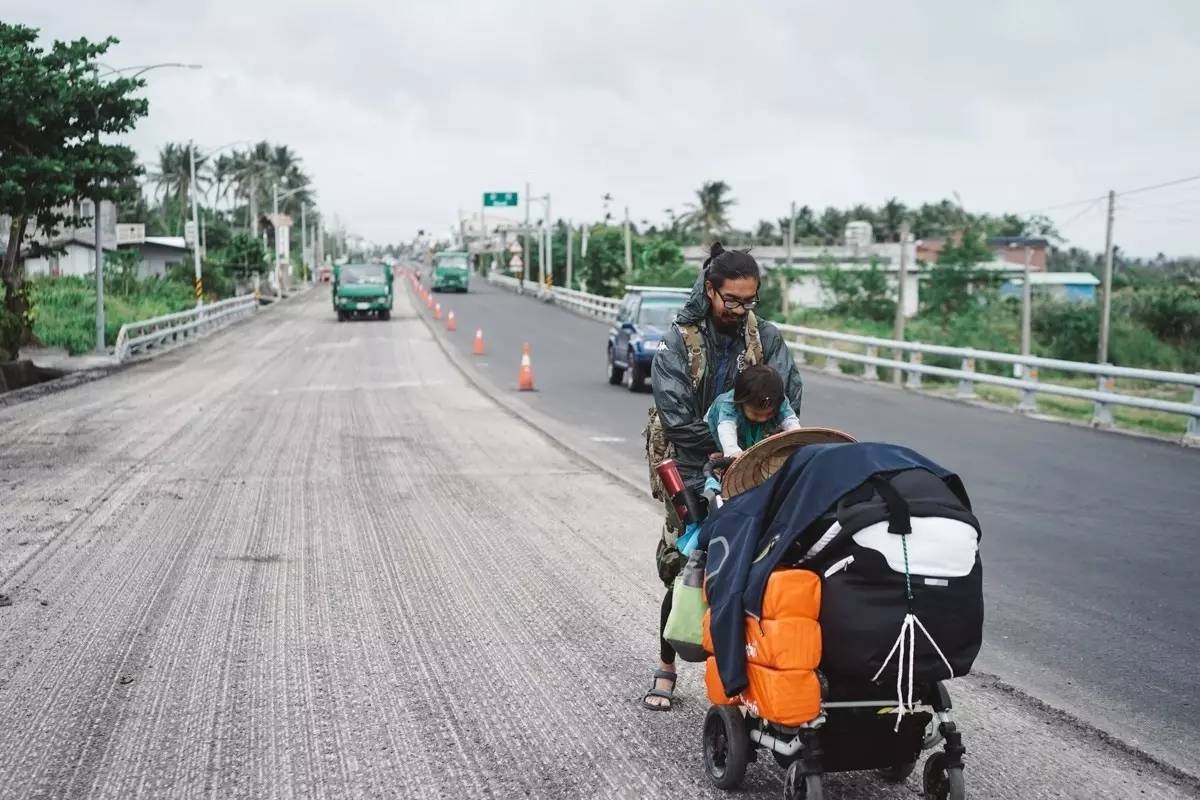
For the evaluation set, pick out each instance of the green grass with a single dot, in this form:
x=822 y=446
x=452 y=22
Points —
x=1134 y=419
x=64 y=309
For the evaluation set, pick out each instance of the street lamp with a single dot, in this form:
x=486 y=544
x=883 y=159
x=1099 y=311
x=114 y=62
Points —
x=199 y=278
x=275 y=198
x=137 y=70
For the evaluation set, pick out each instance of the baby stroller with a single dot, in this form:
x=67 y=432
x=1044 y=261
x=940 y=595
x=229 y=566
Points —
x=856 y=724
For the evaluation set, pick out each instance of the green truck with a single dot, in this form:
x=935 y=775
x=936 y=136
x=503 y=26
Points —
x=451 y=271
x=362 y=290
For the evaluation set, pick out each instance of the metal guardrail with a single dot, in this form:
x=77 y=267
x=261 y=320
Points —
x=588 y=304
x=1103 y=397
x=160 y=333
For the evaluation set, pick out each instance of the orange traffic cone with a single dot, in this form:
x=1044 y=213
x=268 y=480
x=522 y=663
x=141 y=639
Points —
x=428 y=300
x=437 y=311
x=525 y=377
x=478 y=342
x=451 y=325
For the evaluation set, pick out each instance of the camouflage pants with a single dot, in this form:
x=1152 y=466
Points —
x=667 y=557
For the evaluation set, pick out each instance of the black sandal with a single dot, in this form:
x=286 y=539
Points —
x=665 y=694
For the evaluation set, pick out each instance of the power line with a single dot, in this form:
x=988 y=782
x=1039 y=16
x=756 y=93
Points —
x=1160 y=185
x=1081 y=214
x=1138 y=190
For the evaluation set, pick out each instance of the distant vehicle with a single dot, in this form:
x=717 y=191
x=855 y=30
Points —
x=362 y=290
x=325 y=273
x=643 y=318
x=451 y=271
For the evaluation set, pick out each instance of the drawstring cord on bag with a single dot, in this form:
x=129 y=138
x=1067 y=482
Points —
x=906 y=643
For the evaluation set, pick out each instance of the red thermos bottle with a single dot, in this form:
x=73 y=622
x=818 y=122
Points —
x=685 y=503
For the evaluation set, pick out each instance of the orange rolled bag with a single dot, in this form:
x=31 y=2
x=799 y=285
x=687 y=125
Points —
x=783 y=651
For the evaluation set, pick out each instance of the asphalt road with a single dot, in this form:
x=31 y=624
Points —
x=1090 y=538
x=304 y=559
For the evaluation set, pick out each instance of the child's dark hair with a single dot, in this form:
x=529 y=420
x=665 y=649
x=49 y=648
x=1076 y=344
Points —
x=759 y=387
x=724 y=265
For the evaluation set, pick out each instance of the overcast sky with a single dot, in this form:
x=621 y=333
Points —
x=404 y=112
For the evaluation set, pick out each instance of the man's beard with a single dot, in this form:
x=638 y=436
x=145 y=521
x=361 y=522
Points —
x=726 y=326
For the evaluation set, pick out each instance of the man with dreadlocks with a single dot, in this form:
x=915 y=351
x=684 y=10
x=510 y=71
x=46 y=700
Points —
x=715 y=338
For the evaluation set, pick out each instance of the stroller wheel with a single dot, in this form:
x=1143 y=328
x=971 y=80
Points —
x=798 y=786
x=726 y=746
x=897 y=773
x=942 y=783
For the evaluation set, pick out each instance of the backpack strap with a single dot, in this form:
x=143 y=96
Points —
x=754 y=350
x=694 y=341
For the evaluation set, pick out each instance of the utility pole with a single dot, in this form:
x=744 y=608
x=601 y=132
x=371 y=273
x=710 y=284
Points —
x=1102 y=355
x=1026 y=304
x=304 y=239
x=570 y=251
x=319 y=245
x=901 y=295
x=549 y=248
x=525 y=262
x=483 y=237
x=628 y=249
x=195 y=225
x=787 y=279
x=275 y=228
x=100 y=346
x=253 y=204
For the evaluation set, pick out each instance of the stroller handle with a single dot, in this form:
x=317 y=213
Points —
x=715 y=464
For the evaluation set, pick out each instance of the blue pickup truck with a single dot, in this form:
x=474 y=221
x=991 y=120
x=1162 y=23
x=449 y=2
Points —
x=644 y=316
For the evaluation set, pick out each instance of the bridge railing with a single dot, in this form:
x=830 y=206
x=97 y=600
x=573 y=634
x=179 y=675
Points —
x=804 y=342
x=160 y=333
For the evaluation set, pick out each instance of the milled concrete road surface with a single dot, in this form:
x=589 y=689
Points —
x=304 y=559
x=1089 y=537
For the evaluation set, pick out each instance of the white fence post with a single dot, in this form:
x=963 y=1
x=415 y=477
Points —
x=1102 y=416
x=1192 y=437
x=914 y=377
x=832 y=365
x=1028 y=404
x=966 y=386
x=870 y=370
x=801 y=356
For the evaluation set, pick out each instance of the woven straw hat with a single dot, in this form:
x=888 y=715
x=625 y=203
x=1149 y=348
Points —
x=760 y=462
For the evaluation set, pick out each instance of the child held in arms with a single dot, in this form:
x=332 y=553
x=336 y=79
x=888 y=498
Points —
x=754 y=409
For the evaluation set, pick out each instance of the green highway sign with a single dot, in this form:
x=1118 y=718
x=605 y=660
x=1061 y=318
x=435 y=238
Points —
x=499 y=198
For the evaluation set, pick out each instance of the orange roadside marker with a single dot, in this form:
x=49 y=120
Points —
x=478 y=349
x=525 y=376
x=451 y=325
x=437 y=311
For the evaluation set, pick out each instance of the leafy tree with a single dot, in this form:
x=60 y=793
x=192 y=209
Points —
x=709 y=215
x=862 y=294
x=1171 y=312
x=938 y=219
x=603 y=268
x=889 y=219
x=53 y=111
x=955 y=280
x=765 y=234
x=659 y=262
x=832 y=225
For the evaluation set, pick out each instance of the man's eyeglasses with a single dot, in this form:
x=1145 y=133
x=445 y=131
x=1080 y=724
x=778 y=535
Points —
x=732 y=304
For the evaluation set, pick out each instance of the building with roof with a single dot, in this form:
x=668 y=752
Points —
x=1073 y=287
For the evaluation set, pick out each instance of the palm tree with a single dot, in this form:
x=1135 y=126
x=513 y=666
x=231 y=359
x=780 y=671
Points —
x=252 y=171
x=890 y=217
x=765 y=234
x=223 y=172
x=710 y=214
x=172 y=176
